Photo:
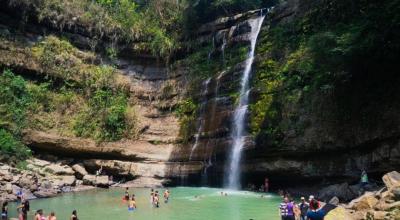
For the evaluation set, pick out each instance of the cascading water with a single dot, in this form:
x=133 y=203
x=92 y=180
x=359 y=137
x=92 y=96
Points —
x=208 y=162
x=238 y=126
x=201 y=120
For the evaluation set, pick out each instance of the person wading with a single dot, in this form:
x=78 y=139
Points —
x=4 y=211
x=52 y=216
x=74 y=215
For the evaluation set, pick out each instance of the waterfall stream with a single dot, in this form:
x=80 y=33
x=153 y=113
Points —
x=238 y=126
x=201 y=117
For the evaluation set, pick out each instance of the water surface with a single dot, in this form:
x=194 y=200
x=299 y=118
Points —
x=209 y=205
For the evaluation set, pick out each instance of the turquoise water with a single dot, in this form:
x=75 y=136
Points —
x=209 y=205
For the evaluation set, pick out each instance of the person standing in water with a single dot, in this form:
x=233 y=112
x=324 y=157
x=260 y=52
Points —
x=126 y=196
x=166 y=196
x=132 y=204
x=52 y=216
x=23 y=210
x=152 y=197
x=266 y=185
x=39 y=215
x=74 y=215
x=156 y=200
x=4 y=211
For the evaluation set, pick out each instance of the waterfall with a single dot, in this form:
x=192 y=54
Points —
x=223 y=49
x=201 y=120
x=208 y=162
x=238 y=125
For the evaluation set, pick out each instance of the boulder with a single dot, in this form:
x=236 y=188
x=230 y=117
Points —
x=80 y=171
x=9 y=188
x=101 y=181
x=69 y=180
x=334 y=201
x=45 y=193
x=89 y=179
x=341 y=191
x=391 y=179
x=38 y=162
x=382 y=205
x=396 y=193
x=365 y=202
x=147 y=182
x=111 y=167
x=28 y=181
x=359 y=215
x=395 y=205
x=59 y=169
x=379 y=215
x=339 y=213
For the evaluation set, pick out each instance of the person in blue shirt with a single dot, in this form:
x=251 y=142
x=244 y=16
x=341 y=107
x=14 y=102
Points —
x=315 y=213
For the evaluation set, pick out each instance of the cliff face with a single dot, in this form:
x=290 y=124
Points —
x=152 y=89
x=305 y=121
x=307 y=131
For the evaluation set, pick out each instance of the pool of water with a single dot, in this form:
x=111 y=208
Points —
x=186 y=203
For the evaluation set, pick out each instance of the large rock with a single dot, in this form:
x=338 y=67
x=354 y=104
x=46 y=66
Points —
x=45 y=193
x=379 y=215
x=59 y=169
x=68 y=180
x=338 y=213
x=80 y=171
x=101 y=181
x=147 y=182
x=111 y=167
x=396 y=193
x=391 y=179
x=341 y=191
x=38 y=163
x=365 y=202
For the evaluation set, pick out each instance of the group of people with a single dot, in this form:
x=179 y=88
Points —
x=311 y=210
x=154 y=199
x=24 y=208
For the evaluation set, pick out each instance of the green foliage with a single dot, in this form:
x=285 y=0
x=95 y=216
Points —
x=105 y=117
x=186 y=112
x=10 y=146
x=316 y=53
x=156 y=24
x=14 y=101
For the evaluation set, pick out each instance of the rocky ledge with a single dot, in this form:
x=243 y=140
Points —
x=46 y=178
x=381 y=204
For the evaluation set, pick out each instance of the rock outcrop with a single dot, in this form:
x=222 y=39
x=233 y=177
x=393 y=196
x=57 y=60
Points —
x=381 y=204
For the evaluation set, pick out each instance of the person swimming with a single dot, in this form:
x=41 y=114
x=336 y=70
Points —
x=166 y=196
x=132 y=204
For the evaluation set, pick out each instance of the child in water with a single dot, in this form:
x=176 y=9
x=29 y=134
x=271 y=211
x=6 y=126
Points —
x=156 y=200
x=132 y=204
x=166 y=196
x=126 y=196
